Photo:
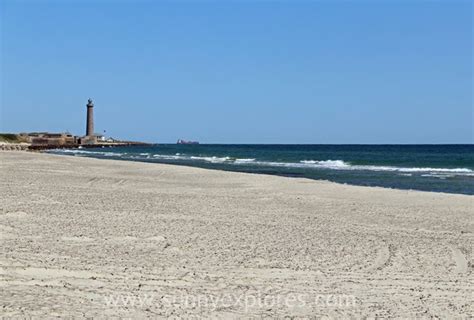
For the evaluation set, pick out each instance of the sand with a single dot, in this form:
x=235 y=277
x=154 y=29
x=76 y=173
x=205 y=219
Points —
x=89 y=237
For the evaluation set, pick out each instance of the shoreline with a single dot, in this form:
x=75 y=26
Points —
x=77 y=231
x=289 y=175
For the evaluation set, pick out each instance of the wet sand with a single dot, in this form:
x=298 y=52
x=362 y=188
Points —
x=88 y=237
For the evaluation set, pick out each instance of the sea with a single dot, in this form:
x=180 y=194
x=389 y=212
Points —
x=436 y=168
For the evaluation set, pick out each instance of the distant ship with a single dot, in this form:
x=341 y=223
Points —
x=181 y=141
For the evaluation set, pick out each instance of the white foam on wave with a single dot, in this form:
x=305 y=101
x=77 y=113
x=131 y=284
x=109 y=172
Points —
x=168 y=157
x=327 y=163
x=211 y=159
x=341 y=165
x=438 y=175
x=413 y=170
x=249 y=160
x=85 y=152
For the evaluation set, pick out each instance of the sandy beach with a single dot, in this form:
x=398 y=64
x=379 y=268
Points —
x=86 y=237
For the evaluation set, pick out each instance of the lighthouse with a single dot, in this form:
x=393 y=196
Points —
x=90 y=119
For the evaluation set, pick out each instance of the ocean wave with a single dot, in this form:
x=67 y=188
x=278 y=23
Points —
x=211 y=159
x=244 y=160
x=86 y=152
x=414 y=170
x=341 y=165
x=168 y=157
x=327 y=163
x=438 y=175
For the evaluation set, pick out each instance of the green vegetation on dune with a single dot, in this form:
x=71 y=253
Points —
x=11 y=138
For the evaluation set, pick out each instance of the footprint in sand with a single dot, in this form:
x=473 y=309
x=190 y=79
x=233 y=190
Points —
x=77 y=239
x=384 y=255
x=6 y=232
x=460 y=260
x=131 y=238
x=124 y=239
x=15 y=215
x=93 y=181
x=156 y=238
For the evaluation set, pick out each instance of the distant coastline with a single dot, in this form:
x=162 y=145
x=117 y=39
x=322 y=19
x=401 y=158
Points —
x=49 y=141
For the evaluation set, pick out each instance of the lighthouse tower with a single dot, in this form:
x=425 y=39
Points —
x=90 y=119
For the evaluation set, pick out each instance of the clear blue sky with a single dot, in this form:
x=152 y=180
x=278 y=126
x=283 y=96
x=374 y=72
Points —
x=242 y=71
